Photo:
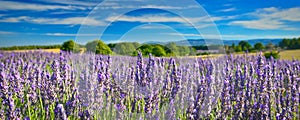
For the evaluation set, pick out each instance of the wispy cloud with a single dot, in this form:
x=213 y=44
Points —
x=74 y=2
x=271 y=19
x=168 y=7
x=291 y=14
x=119 y=6
x=153 y=27
x=263 y=24
x=227 y=10
x=220 y=18
x=163 y=18
x=182 y=34
x=9 y=5
x=58 y=21
x=152 y=18
x=246 y=37
x=233 y=36
x=89 y=3
x=70 y=12
x=7 y=33
x=67 y=34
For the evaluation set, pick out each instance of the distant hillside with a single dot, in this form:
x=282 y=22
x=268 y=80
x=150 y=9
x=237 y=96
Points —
x=201 y=42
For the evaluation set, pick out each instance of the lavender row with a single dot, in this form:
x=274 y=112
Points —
x=38 y=85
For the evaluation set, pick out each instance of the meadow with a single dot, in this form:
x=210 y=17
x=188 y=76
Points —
x=290 y=54
x=43 y=85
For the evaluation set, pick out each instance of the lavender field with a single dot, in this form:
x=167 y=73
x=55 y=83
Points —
x=40 y=85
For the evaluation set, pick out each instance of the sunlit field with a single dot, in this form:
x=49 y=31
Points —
x=41 y=50
x=290 y=54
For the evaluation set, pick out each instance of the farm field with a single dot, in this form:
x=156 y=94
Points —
x=41 y=50
x=290 y=54
x=43 y=85
x=284 y=55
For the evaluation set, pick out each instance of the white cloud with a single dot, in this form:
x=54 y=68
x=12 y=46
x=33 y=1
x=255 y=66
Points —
x=164 y=18
x=68 y=21
x=227 y=10
x=14 y=19
x=263 y=24
x=6 y=33
x=220 y=18
x=9 y=5
x=70 y=12
x=207 y=36
x=61 y=21
x=271 y=19
x=181 y=34
x=270 y=9
x=67 y=34
x=151 y=18
x=153 y=27
x=119 y=6
x=168 y=7
x=234 y=36
x=74 y=2
x=291 y=14
x=245 y=37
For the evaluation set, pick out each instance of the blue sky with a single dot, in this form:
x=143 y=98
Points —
x=42 y=22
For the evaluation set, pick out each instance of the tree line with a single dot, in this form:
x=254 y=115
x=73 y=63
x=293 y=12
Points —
x=170 y=49
x=290 y=43
x=130 y=48
x=244 y=46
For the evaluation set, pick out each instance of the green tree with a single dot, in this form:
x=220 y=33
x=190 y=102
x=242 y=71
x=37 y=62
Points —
x=290 y=43
x=173 y=49
x=270 y=46
x=273 y=54
x=293 y=44
x=158 y=51
x=238 y=48
x=285 y=43
x=193 y=51
x=124 y=48
x=184 y=50
x=259 y=46
x=98 y=47
x=146 y=49
x=245 y=46
x=70 y=46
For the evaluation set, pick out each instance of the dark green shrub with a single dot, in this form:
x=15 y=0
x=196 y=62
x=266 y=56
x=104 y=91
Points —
x=70 y=46
x=204 y=53
x=98 y=47
x=274 y=54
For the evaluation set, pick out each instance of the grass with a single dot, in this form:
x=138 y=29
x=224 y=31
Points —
x=289 y=54
x=44 y=50
x=284 y=55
